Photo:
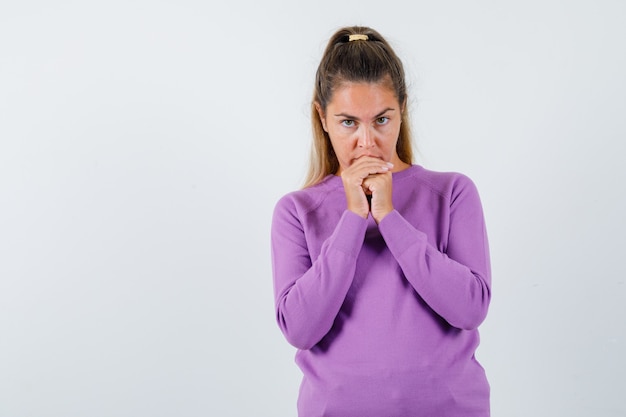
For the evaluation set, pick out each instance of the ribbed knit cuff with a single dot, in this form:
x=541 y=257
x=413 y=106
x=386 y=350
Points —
x=399 y=234
x=349 y=234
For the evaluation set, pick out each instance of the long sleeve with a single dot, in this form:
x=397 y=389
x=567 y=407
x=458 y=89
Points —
x=453 y=280
x=310 y=292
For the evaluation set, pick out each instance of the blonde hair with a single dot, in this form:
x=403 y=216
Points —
x=354 y=54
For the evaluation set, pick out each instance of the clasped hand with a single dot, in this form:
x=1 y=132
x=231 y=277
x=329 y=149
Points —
x=368 y=176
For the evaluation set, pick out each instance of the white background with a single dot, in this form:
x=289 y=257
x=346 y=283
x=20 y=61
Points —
x=143 y=145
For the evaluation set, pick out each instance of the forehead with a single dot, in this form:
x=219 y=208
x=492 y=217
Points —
x=363 y=97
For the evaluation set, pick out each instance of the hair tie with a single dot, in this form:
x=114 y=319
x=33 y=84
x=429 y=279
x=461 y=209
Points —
x=358 y=37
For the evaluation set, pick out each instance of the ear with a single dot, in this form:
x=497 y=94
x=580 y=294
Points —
x=320 y=113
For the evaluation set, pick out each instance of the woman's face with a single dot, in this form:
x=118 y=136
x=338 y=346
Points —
x=363 y=119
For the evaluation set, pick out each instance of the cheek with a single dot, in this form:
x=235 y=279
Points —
x=390 y=140
x=341 y=140
x=343 y=150
x=340 y=149
x=394 y=134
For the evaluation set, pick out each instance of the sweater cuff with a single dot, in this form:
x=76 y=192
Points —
x=349 y=234
x=399 y=234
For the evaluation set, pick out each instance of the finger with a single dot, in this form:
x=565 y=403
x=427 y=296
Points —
x=375 y=182
x=366 y=169
x=372 y=162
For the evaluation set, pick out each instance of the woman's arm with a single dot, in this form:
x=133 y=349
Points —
x=455 y=284
x=309 y=294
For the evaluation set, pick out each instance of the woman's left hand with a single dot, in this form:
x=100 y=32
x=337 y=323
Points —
x=379 y=186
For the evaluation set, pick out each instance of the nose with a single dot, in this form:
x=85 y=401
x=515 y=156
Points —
x=366 y=138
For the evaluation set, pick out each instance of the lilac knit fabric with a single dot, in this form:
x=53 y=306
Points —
x=385 y=316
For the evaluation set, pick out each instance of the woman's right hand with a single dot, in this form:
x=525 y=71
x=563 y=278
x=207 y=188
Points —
x=353 y=178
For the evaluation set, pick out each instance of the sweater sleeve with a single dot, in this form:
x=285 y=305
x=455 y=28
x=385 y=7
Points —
x=309 y=294
x=455 y=283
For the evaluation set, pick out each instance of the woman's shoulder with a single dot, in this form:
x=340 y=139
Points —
x=445 y=183
x=309 y=198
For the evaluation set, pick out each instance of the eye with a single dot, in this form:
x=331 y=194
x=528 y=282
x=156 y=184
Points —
x=348 y=123
x=382 y=120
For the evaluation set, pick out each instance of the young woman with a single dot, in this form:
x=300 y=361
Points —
x=381 y=267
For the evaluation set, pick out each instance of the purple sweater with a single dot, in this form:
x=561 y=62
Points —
x=385 y=316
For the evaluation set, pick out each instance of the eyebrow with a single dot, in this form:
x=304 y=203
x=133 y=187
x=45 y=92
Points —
x=347 y=116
